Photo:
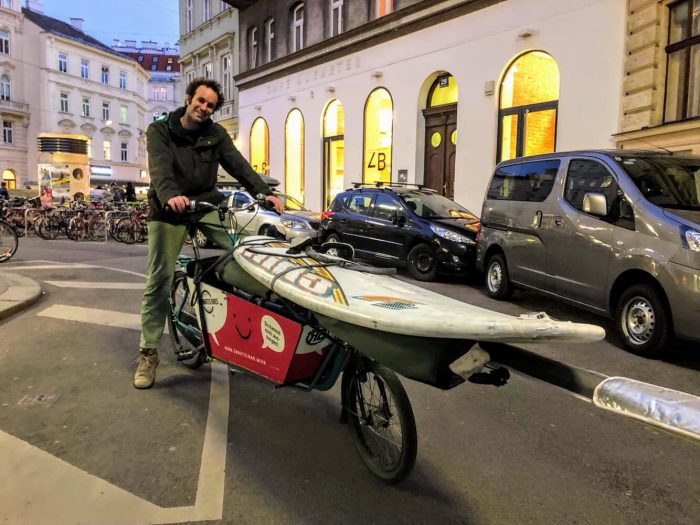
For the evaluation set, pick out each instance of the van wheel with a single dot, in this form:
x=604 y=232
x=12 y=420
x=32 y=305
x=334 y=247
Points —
x=422 y=263
x=642 y=321
x=497 y=280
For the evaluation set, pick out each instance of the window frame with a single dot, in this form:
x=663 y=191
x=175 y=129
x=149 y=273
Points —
x=7 y=137
x=4 y=42
x=62 y=62
x=63 y=102
x=687 y=44
x=124 y=151
x=104 y=75
x=85 y=108
x=253 y=47
x=106 y=149
x=206 y=10
x=122 y=79
x=85 y=68
x=5 y=87
x=335 y=7
x=270 y=54
x=297 y=23
x=189 y=18
x=105 y=110
x=123 y=113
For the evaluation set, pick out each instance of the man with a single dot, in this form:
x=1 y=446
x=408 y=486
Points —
x=4 y=194
x=184 y=151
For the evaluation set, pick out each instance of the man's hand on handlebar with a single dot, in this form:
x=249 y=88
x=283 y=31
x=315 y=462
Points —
x=276 y=203
x=178 y=204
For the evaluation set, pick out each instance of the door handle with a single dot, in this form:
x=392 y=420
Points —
x=558 y=222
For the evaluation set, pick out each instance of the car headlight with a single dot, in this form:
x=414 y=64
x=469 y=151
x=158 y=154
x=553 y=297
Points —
x=693 y=239
x=294 y=224
x=450 y=235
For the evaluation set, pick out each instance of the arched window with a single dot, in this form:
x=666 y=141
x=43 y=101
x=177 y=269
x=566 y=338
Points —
x=10 y=178
x=259 y=146
x=333 y=151
x=529 y=100
x=294 y=155
x=4 y=87
x=379 y=117
x=298 y=27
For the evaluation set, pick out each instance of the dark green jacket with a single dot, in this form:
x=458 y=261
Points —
x=183 y=163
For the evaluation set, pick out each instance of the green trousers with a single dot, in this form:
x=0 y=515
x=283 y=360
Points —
x=164 y=244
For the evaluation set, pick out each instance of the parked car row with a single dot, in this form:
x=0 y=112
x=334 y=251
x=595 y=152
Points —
x=614 y=232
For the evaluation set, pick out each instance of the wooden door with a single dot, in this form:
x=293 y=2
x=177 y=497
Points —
x=440 y=149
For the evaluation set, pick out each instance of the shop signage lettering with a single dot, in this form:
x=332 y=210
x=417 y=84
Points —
x=377 y=160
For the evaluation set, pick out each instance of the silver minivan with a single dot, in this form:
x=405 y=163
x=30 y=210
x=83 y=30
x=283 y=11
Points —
x=614 y=232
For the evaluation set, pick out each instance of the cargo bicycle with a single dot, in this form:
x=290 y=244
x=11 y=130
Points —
x=292 y=350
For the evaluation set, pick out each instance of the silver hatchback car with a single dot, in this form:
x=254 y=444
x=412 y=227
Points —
x=614 y=232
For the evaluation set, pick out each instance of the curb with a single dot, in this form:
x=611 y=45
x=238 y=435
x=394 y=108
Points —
x=669 y=409
x=21 y=293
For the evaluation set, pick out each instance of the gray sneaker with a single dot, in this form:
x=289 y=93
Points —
x=146 y=372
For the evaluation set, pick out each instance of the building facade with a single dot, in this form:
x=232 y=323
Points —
x=209 y=49
x=60 y=82
x=433 y=92
x=162 y=64
x=661 y=98
x=14 y=105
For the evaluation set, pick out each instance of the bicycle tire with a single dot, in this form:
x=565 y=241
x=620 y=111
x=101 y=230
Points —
x=369 y=389
x=180 y=295
x=125 y=230
x=75 y=229
x=9 y=241
x=47 y=228
x=96 y=228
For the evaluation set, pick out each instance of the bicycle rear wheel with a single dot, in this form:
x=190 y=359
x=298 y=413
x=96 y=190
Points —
x=184 y=341
x=8 y=241
x=381 y=419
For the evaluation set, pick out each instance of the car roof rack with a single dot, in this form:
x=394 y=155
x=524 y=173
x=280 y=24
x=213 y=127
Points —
x=382 y=185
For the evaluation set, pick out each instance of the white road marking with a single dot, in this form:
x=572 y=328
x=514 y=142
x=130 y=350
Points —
x=93 y=316
x=33 y=477
x=94 y=285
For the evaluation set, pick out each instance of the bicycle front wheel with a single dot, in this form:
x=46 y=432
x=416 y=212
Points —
x=8 y=241
x=183 y=325
x=381 y=419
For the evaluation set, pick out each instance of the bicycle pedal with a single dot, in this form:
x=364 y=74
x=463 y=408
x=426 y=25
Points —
x=181 y=356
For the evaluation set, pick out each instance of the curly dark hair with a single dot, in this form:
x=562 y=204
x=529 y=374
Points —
x=211 y=84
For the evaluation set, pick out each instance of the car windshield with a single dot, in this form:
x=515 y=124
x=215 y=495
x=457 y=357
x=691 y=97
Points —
x=669 y=182
x=430 y=205
x=290 y=203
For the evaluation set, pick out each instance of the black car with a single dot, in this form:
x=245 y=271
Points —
x=406 y=226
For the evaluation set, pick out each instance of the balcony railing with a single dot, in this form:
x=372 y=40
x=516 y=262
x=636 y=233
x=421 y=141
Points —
x=14 y=107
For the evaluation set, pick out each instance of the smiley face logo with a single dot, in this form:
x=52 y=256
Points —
x=243 y=326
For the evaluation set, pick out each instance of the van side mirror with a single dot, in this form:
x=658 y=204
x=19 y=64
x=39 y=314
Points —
x=595 y=204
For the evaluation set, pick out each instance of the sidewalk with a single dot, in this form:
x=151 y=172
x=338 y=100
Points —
x=16 y=293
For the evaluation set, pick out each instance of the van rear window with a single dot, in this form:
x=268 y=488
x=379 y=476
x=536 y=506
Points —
x=529 y=181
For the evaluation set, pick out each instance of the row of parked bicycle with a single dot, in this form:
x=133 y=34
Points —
x=79 y=220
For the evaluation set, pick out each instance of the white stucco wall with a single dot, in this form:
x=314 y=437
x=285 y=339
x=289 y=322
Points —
x=585 y=37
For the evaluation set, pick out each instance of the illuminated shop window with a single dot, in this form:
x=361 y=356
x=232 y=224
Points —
x=294 y=155
x=333 y=151
x=10 y=178
x=683 y=61
x=379 y=115
x=259 y=148
x=529 y=101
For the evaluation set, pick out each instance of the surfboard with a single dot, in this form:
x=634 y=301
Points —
x=385 y=303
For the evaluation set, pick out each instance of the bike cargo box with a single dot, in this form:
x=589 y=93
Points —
x=261 y=341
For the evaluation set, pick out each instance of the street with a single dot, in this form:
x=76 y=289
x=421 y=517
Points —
x=78 y=444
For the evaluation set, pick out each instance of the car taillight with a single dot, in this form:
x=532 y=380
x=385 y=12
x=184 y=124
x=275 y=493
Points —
x=478 y=233
x=326 y=214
